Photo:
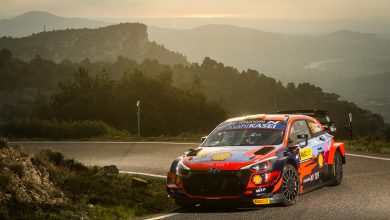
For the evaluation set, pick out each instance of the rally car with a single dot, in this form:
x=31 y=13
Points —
x=258 y=159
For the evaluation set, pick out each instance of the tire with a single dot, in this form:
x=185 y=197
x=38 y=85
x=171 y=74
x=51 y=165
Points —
x=184 y=203
x=337 y=170
x=290 y=185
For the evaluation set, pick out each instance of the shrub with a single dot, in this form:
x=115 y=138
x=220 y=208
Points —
x=56 y=130
x=3 y=142
x=18 y=169
x=369 y=145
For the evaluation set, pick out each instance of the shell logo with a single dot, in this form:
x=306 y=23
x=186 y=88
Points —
x=257 y=179
x=221 y=156
x=320 y=160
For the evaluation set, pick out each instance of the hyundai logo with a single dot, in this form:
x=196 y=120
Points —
x=213 y=170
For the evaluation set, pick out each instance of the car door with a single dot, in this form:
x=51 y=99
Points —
x=308 y=171
x=321 y=142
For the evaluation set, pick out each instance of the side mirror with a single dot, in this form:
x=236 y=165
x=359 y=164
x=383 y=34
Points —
x=290 y=149
x=202 y=139
x=332 y=128
x=305 y=137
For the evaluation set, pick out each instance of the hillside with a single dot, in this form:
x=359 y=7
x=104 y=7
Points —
x=45 y=185
x=371 y=92
x=327 y=60
x=103 y=44
x=280 y=55
x=35 y=22
x=111 y=96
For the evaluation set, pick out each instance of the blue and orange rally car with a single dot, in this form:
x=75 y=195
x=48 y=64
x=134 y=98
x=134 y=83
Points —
x=260 y=159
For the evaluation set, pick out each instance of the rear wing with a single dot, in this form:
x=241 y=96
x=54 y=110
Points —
x=321 y=115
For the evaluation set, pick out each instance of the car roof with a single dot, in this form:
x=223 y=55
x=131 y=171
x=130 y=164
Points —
x=271 y=117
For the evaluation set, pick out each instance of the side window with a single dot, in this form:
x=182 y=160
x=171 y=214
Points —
x=314 y=128
x=298 y=127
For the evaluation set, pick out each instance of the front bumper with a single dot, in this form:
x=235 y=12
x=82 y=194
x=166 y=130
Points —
x=244 y=200
x=229 y=186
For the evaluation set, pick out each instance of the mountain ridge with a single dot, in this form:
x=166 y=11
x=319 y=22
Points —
x=106 y=43
x=36 y=21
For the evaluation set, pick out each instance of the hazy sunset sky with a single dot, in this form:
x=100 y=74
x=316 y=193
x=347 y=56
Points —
x=251 y=9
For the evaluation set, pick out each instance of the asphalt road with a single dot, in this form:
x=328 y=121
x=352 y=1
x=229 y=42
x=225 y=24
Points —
x=364 y=193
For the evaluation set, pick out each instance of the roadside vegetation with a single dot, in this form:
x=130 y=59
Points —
x=63 y=130
x=174 y=99
x=48 y=186
x=45 y=100
x=378 y=142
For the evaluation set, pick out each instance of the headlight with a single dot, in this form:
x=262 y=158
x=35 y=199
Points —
x=262 y=165
x=181 y=168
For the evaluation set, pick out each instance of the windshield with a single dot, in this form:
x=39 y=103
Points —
x=247 y=133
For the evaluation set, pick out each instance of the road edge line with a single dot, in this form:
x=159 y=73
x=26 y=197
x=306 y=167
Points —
x=163 y=216
x=365 y=156
x=143 y=174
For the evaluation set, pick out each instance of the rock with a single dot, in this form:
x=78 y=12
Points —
x=26 y=182
x=109 y=170
x=138 y=182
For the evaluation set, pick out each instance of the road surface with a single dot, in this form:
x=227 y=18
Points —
x=364 y=193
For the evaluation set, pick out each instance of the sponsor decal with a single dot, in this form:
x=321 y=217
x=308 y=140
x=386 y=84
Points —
x=320 y=159
x=257 y=179
x=312 y=177
x=263 y=201
x=218 y=164
x=213 y=170
x=259 y=191
x=254 y=124
x=306 y=154
x=221 y=156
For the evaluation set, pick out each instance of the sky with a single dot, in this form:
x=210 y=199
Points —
x=245 y=9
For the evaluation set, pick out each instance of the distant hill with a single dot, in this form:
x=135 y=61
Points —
x=279 y=55
x=369 y=92
x=103 y=44
x=35 y=22
x=328 y=60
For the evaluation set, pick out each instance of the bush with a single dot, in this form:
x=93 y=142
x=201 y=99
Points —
x=18 y=169
x=57 y=130
x=3 y=142
x=369 y=145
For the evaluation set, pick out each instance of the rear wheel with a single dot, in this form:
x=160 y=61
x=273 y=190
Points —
x=337 y=169
x=290 y=185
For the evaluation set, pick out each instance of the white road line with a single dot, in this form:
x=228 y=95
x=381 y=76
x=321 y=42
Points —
x=162 y=216
x=144 y=174
x=370 y=157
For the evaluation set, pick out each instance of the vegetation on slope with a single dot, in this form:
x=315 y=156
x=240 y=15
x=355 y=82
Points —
x=101 y=44
x=174 y=99
x=48 y=186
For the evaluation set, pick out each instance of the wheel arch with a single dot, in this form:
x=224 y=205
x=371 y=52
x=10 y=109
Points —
x=336 y=147
x=292 y=162
x=174 y=165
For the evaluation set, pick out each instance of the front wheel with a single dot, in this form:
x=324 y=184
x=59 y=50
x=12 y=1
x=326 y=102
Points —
x=337 y=169
x=290 y=185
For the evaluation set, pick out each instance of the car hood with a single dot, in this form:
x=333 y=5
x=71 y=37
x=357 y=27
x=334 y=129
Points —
x=226 y=158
